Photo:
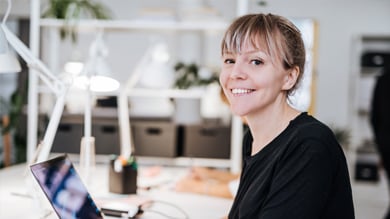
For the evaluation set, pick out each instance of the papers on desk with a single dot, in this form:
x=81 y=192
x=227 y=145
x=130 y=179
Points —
x=158 y=177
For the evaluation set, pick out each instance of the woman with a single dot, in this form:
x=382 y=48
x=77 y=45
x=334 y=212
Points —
x=293 y=166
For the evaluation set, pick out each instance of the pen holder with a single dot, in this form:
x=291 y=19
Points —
x=123 y=180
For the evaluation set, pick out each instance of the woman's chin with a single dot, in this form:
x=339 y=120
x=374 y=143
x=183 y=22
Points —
x=239 y=111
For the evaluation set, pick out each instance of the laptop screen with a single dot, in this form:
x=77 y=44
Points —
x=65 y=189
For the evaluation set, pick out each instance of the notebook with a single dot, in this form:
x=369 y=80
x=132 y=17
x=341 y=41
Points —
x=67 y=193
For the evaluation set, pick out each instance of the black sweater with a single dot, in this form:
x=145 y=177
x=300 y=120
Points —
x=301 y=174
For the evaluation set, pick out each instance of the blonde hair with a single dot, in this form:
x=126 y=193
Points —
x=281 y=38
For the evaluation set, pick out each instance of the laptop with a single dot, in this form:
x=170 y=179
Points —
x=68 y=195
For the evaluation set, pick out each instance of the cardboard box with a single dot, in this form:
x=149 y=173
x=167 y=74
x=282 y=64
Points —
x=154 y=138
x=207 y=141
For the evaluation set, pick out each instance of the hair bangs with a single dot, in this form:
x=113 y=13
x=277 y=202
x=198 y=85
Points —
x=246 y=33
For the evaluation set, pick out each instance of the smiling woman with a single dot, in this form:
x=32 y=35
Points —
x=293 y=166
x=260 y=55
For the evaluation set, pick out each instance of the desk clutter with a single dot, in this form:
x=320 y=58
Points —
x=123 y=175
x=69 y=197
x=159 y=137
x=155 y=195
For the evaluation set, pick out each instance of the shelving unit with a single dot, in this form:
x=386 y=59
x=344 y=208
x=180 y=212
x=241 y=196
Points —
x=130 y=26
x=137 y=25
x=365 y=79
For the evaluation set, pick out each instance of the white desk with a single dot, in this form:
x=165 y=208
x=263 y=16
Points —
x=14 y=181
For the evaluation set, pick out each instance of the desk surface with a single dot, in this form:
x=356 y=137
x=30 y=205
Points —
x=17 y=187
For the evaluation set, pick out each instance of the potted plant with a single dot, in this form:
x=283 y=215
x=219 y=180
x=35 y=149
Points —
x=11 y=113
x=190 y=76
x=72 y=11
x=342 y=135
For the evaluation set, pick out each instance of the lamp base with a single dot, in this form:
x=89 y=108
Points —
x=87 y=157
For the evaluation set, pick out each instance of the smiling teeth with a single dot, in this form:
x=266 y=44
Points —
x=241 y=91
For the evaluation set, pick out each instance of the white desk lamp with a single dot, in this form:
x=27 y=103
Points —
x=95 y=77
x=8 y=62
x=123 y=98
x=55 y=84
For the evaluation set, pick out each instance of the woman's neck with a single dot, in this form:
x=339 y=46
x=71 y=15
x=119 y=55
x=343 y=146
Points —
x=266 y=126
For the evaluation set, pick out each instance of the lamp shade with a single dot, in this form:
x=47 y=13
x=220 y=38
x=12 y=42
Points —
x=97 y=75
x=75 y=65
x=97 y=83
x=8 y=62
x=96 y=72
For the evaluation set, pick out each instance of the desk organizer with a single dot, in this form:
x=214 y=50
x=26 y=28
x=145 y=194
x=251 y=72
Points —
x=123 y=180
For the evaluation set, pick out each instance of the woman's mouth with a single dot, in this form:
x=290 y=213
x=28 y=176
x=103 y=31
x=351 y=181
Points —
x=241 y=91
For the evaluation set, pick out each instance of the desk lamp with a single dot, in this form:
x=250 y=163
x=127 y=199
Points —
x=10 y=64
x=154 y=53
x=95 y=77
x=75 y=65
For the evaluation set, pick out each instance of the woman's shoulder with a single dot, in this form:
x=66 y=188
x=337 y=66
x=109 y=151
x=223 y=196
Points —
x=307 y=126
x=313 y=136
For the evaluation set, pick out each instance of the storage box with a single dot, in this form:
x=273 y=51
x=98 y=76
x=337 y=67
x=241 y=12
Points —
x=154 y=138
x=206 y=141
x=106 y=137
x=367 y=167
x=68 y=138
x=366 y=171
x=367 y=162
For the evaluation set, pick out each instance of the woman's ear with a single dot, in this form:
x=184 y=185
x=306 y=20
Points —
x=291 y=78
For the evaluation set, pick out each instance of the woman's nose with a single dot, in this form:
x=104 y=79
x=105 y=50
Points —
x=238 y=72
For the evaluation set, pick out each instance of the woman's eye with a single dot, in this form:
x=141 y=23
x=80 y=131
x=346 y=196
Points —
x=257 y=62
x=229 y=61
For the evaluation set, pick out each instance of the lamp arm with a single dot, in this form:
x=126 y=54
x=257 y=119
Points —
x=123 y=104
x=134 y=78
x=124 y=125
x=51 y=129
x=7 y=12
x=56 y=85
x=123 y=114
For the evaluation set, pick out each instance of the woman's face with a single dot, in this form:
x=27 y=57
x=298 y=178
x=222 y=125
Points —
x=252 y=82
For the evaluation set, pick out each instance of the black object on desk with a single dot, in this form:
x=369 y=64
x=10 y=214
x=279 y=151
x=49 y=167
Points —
x=123 y=177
